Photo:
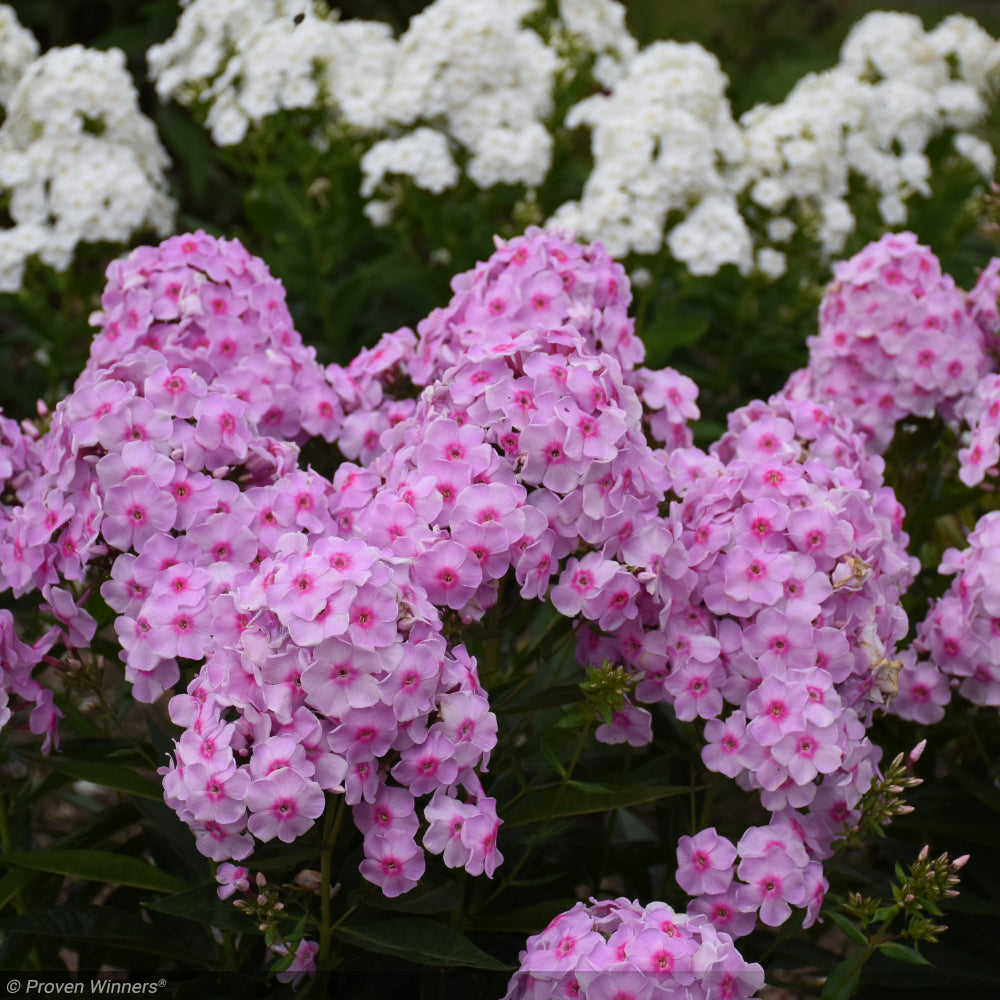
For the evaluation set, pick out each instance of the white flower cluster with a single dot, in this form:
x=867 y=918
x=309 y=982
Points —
x=664 y=140
x=467 y=69
x=473 y=82
x=18 y=49
x=78 y=160
x=248 y=59
x=421 y=155
x=895 y=88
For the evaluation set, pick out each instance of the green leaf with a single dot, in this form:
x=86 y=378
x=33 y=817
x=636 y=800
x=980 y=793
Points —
x=540 y=805
x=101 y=925
x=202 y=904
x=848 y=926
x=11 y=884
x=419 y=940
x=552 y=758
x=97 y=866
x=106 y=773
x=901 y=953
x=842 y=982
x=671 y=329
x=525 y=920
x=884 y=913
x=563 y=694
x=589 y=787
x=435 y=899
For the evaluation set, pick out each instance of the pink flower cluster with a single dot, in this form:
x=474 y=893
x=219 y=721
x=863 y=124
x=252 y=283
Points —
x=772 y=586
x=979 y=456
x=622 y=950
x=317 y=622
x=540 y=282
x=958 y=642
x=897 y=338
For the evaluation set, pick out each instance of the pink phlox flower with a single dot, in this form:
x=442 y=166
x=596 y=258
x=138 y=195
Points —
x=632 y=725
x=446 y=816
x=281 y=750
x=79 y=624
x=479 y=836
x=134 y=511
x=774 y=709
x=581 y=583
x=364 y=734
x=392 y=809
x=469 y=725
x=341 y=677
x=808 y=752
x=393 y=861
x=283 y=805
x=216 y=794
x=232 y=878
x=222 y=841
x=695 y=688
x=303 y=962
x=428 y=766
x=773 y=882
x=705 y=863
x=448 y=572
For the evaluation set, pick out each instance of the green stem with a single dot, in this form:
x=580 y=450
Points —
x=331 y=829
x=7 y=844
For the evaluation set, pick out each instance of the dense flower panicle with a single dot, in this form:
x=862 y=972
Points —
x=895 y=340
x=78 y=160
x=465 y=75
x=619 y=948
x=527 y=439
x=869 y=118
x=979 y=455
x=212 y=311
x=775 y=583
x=959 y=639
x=474 y=83
x=663 y=140
x=513 y=437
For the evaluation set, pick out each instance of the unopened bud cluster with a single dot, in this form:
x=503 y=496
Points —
x=915 y=895
x=884 y=801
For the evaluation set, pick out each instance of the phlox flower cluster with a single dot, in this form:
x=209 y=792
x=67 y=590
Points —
x=773 y=583
x=770 y=611
x=979 y=455
x=620 y=949
x=896 y=338
x=19 y=463
x=663 y=141
x=870 y=119
x=532 y=390
x=323 y=664
x=79 y=162
x=957 y=642
x=470 y=87
x=247 y=60
x=334 y=683
x=134 y=463
x=665 y=144
x=467 y=76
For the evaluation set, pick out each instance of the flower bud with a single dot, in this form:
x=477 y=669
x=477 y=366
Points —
x=309 y=879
